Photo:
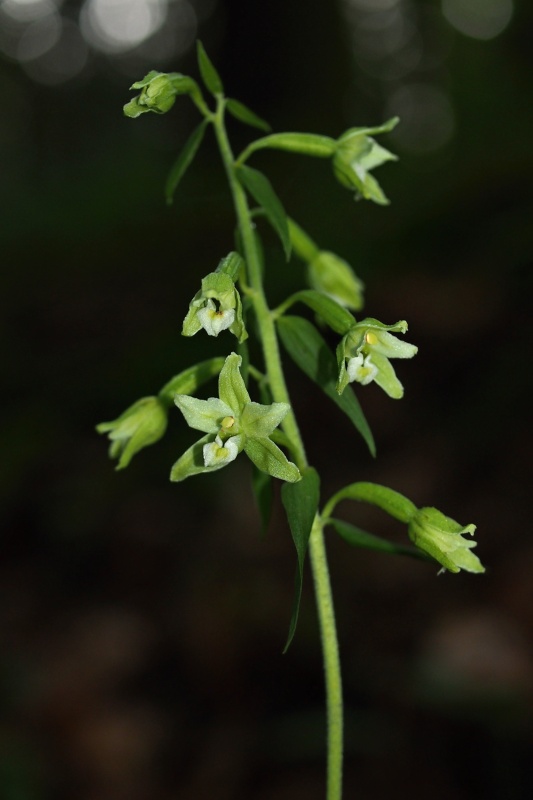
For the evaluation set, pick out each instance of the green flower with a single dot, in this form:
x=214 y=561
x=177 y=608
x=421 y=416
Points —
x=140 y=425
x=233 y=423
x=363 y=355
x=443 y=538
x=158 y=92
x=356 y=154
x=217 y=306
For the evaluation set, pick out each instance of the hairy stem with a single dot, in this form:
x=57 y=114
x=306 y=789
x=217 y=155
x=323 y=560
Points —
x=278 y=387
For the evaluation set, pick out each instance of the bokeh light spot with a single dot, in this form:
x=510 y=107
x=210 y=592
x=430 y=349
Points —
x=426 y=117
x=480 y=19
x=39 y=37
x=116 y=26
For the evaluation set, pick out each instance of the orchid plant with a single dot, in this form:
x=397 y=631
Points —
x=232 y=297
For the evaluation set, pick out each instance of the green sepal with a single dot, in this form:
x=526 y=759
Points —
x=357 y=537
x=307 y=144
x=338 y=318
x=209 y=74
x=204 y=415
x=300 y=501
x=261 y=190
x=310 y=352
x=183 y=161
x=188 y=381
x=390 y=501
x=246 y=115
x=258 y=420
x=269 y=458
x=139 y=426
x=263 y=489
x=231 y=387
x=192 y=461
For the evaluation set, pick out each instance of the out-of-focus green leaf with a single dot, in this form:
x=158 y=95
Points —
x=261 y=190
x=246 y=115
x=338 y=318
x=209 y=74
x=184 y=160
x=300 y=501
x=310 y=352
x=188 y=381
x=369 y=541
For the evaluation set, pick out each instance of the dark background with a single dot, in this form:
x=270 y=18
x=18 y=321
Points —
x=141 y=622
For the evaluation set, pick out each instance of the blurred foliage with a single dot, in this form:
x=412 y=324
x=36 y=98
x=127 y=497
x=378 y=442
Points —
x=142 y=625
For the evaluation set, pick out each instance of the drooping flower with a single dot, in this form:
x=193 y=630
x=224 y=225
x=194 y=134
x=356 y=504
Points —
x=217 y=306
x=356 y=154
x=142 y=424
x=443 y=538
x=364 y=352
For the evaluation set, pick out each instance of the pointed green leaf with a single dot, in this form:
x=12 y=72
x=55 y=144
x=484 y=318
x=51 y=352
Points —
x=338 y=318
x=184 y=160
x=369 y=541
x=188 y=381
x=210 y=76
x=269 y=458
x=310 y=352
x=300 y=501
x=261 y=190
x=246 y=115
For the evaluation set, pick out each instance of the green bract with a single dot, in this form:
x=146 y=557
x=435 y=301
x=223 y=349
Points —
x=140 y=425
x=217 y=306
x=442 y=538
x=364 y=352
x=357 y=153
x=232 y=422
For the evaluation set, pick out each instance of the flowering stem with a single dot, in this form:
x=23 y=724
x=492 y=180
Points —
x=276 y=378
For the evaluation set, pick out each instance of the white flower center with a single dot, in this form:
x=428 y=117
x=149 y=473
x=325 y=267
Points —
x=361 y=369
x=218 y=453
x=213 y=321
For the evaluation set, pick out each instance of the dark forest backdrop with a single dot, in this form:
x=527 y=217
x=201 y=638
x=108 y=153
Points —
x=142 y=623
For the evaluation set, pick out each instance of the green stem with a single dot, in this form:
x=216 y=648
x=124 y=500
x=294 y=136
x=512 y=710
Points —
x=274 y=370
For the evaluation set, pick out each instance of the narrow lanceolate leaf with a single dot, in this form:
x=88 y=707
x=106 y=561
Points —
x=261 y=190
x=188 y=381
x=210 y=76
x=310 y=352
x=300 y=501
x=338 y=318
x=246 y=115
x=184 y=160
x=369 y=541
